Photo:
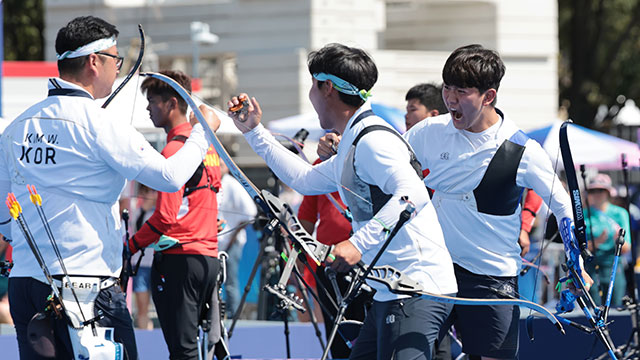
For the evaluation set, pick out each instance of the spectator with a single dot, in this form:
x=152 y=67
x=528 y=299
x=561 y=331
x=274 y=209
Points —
x=605 y=221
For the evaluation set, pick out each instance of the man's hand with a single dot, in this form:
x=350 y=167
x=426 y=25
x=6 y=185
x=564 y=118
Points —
x=132 y=246
x=246 y=114
x=524 y=242
x=221 y=224
x=328 y=145
x=209 y=115
x=588 y=281
x=346 y=256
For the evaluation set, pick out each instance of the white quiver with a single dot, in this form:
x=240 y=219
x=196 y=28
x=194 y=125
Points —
x=86 y=344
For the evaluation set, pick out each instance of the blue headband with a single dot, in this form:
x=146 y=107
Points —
x=343 y=86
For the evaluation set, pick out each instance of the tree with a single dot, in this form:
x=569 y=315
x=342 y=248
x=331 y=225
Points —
x=23 y=29
x=598 y=54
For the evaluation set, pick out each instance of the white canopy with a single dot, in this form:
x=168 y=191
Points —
x=588 y=147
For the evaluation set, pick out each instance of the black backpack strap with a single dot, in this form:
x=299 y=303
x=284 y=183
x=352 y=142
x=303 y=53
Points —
x=378 y=197
x=192 y=184
x=498 y=193
x=181 y=138
x=189 y=190
x=414 y=159
x=363 y=115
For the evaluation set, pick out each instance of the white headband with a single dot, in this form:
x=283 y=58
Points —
x=90 y=48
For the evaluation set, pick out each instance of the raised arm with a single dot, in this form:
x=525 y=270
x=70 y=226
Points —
x=291 y=169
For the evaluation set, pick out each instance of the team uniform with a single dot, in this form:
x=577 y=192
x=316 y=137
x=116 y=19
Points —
x=382 y=175
x=79 y=158
x=478 y=179
x=332 y=228
x=183 y=277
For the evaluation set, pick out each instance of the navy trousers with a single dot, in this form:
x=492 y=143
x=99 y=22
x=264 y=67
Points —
x=28 y=296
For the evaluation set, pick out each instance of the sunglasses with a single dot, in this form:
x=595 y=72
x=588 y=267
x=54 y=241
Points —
x=119 y=59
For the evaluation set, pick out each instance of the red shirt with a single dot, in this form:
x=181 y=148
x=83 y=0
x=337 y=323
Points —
x=191 y=219
x=8 y=253
x=333 y=227
x=532 y=204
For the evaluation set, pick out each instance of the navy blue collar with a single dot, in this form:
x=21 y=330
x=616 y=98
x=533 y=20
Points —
x=69 y=92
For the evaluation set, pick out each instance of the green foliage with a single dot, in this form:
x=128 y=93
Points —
x=599 y=48
x=23 y=29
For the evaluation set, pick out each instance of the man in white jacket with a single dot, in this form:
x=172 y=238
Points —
x=376 y=174
x=79 y=157
x=479 y=163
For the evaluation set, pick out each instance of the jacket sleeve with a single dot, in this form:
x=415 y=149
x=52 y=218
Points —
x=290 y=168
x=536 y=172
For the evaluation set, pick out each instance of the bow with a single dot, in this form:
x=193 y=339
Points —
x=135 y=68
x=126 y=271
x=576 y=247
x=279 y=214
x=401 y=284
x=299 y=236
x=579 y=234
x=574 y=191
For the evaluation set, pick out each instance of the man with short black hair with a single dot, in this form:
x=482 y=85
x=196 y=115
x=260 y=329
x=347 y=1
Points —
x=423 y=101
x=183 y=227
x=479 y=164
x=375 y=173
x=79 y=159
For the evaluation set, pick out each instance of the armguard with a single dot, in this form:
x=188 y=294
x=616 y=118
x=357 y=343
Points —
x=164 y=242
